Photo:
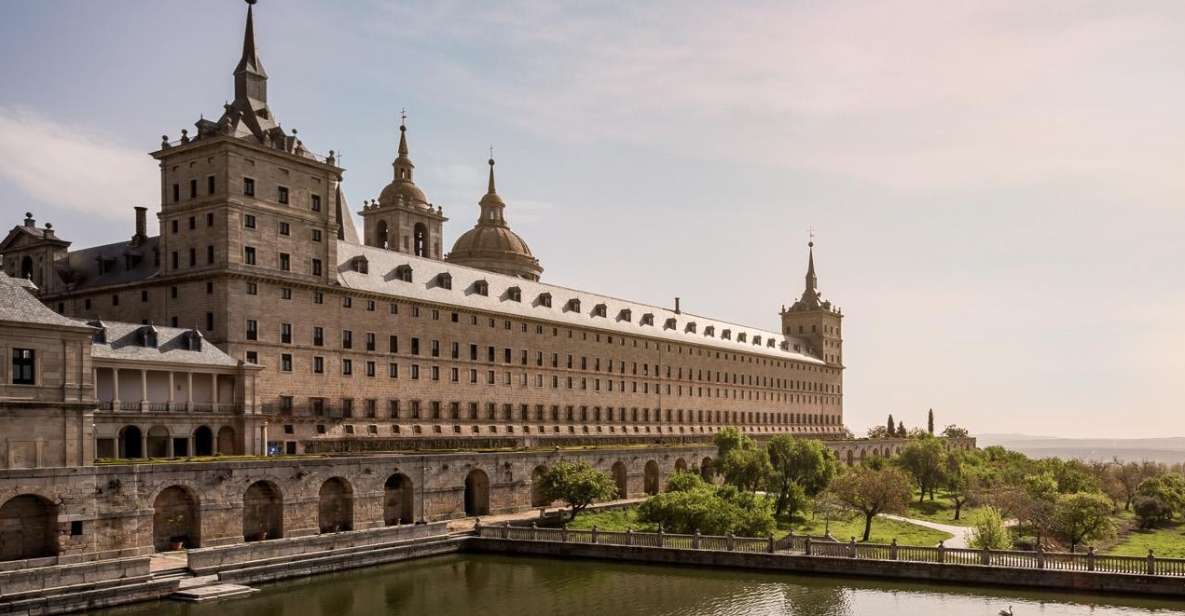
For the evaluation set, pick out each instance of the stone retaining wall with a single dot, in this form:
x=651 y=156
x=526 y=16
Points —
x=43 y=578
x=208 y=560
x=1075 y=581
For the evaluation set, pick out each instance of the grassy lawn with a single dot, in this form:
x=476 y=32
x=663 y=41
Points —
x=883 y=531
x=611 y=519
x=1167 y=541
x=941 y=510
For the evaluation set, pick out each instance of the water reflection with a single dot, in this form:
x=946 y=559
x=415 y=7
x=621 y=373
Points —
x=481 y=585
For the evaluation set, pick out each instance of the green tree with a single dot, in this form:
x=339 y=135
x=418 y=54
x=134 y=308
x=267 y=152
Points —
x=805 y=463
x=872 y=492
x=747 y=469
x=1129 y=476
x=989 y=532
x=889 y=427
x=1151 y=511
x=930 y=422
x=686 y=481
x=710 y=511
x=1081 y=516
x=924 y=460
x=953 y=431
x=963 y=477
x=578 y=484
x=1168 y=489
x=879 y=432
x=901 y=433
x=730 y=439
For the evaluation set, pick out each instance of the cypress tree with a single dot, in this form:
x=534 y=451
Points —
x=892 y=430
x=930 y=422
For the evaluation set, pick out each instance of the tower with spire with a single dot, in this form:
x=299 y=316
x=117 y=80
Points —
x=813 y=319
x=491 y=244
x=243 y=195
x=402 y=219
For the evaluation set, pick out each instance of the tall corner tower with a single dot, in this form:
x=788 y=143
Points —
x=402 y=219
x=815 y=320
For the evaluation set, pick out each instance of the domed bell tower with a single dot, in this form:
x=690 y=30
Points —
x=402 y=219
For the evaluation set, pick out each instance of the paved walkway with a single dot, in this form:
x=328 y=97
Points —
x=962 y=534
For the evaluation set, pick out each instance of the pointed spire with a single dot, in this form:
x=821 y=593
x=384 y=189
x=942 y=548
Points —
x=812 y=281
x=403 y=133
x=250 y=78
x=403 y=165
x=491 y=190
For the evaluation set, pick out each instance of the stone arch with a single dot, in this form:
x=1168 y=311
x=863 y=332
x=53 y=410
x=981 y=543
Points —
x=176 y=519
x=706 y=470
x=680 y=465
x=131 y=443
x=621 y=478
x=851 y=457
x=158 y=442
x=862 y=455
x=477 y=493
x=203 y=441
x=335 y=511
x=420 y=239
x=398 y=500
x=651 y=478
x=226 y=441
x=381 y=234
x=263 y=512
x=537 y=497
x=28 y=528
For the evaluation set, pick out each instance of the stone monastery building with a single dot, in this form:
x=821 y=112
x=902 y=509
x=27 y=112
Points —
x=391 y=334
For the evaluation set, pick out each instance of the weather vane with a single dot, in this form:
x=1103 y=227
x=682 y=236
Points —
x=811 y=231
x=403 y=117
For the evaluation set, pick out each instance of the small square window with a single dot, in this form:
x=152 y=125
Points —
x=249 y=221
x=285 y=229
x=282 y=195
x=316 y=201
x=249 y=187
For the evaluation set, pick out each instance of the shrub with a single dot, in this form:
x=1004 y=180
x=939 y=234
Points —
x=989 y=531
x=1151 y=511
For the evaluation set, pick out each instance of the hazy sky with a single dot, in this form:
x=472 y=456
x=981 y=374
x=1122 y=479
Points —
x=997 y=187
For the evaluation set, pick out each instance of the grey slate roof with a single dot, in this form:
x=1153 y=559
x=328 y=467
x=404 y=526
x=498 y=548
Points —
x=124 y=342
x=18 y=305
x=81 y=267
x=618 y=315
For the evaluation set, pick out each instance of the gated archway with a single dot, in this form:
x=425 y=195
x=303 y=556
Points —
x=336 y=506
x=537 y=497
x=28 y=528
x=651 y=478
x=176 y=521
x=203 y=441
x=621 y=478
x=398 y=500
x=477 y=493
x=131 y=444
x=263 y=512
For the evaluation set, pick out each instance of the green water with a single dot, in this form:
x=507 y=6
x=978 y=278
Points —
x=475 y=585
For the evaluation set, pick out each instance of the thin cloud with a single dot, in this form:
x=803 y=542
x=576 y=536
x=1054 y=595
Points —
x=73 y=167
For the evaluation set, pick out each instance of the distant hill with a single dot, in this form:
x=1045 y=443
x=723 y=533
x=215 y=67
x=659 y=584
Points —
x=1170 y=450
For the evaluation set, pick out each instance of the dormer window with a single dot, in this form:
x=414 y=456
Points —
x=444 y=280
x=403 y=273
x=710 y=330
x=148 y=336
x=757 y=340
x=742 y=337
x=726 y=334
x=770 y=343
x=689 y=328
x=544 y=299
x=481 y=287
x=624 y=315
x=193 y=340
x=647 y=319
x=514 y=294
x=573 y=305
x=100 y=336
x=671 y=323
x=600 y=310
x=360 y=264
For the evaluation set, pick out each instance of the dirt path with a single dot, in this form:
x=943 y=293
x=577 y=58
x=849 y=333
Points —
x=961 y=534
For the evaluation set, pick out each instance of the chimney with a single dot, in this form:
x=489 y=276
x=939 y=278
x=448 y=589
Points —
x=141 y=224
x=29 y=222
x=48 y=233
x=677 y=306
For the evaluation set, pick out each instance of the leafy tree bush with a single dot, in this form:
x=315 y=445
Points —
x=1081 y=517
x=953 y=431
x=710 y=511
x=685 y=481
x=801 y=468
x=924 y=460
x=1168 y=489
x=989 y=531
x=872 y=492
x=747 y=469
x=1151 y=511
x=578 y=484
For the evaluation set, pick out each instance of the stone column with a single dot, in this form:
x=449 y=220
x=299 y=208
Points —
x=115 y=389
x=143 y=390
x=169 y=451
x=172 y=387
x=263 y=440
x=214 y=392
x=189 y=399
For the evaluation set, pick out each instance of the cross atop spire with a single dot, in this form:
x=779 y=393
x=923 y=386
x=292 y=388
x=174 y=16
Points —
x=250 y=78
x=491 y=190
x=403 y=165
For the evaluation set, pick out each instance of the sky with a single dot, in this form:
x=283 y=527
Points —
x=996 y=188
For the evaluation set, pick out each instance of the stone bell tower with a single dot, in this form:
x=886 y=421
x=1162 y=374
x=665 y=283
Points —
x=814 y=319
x=402 y=219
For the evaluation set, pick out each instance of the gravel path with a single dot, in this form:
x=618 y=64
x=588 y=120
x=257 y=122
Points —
x=962 y=534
